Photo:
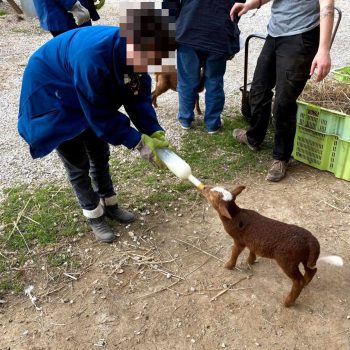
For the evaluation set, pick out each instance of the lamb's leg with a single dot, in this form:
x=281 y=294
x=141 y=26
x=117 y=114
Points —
x=154 y=99
x=160 y=89
x=293 y=272
x=251 y=258
x=198 y=108
x=236 y=250
x=309 y=274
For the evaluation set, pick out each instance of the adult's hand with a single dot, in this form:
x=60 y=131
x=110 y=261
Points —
x=239 y=9
x=321 y=63
x=80 y=13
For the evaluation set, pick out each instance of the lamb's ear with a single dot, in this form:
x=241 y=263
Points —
x=237 y=191
x=223 y=211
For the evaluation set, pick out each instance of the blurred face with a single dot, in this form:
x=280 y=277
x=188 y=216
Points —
x=151 y=61
x=140 y=60
x=150 y=37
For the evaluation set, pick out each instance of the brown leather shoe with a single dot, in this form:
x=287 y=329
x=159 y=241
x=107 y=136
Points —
x=241 y=136
x=277 y=171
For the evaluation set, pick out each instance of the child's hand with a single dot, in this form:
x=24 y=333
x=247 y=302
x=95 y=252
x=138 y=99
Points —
x=148 y=149
x=160 y=135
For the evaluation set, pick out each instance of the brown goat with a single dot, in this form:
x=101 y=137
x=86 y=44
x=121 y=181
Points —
x=289 y=245
x=166 y=81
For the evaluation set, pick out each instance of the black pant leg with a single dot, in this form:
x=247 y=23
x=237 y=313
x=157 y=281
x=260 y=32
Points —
x=98 y=153
x=261 y=92
x=294 y=56
x=76 y=162
x=57 y=32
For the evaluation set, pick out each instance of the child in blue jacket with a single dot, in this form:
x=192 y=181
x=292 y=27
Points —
x=72 y=89
x=206 y=38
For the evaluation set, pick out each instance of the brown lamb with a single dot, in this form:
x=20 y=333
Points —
x=288 y=244
x=166 y=81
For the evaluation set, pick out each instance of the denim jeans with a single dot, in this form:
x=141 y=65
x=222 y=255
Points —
x=284 y=63
x=189 y=63
x=85 y=159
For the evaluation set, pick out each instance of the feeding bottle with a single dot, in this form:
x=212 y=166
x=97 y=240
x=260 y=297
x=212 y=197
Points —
x=178 y=166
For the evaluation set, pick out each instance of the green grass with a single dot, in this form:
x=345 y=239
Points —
x=21 y=31
x=33 y=219
x=36 y=218
x=217 y=158
x=40 y=216
x=3 y=13
x=11 y=284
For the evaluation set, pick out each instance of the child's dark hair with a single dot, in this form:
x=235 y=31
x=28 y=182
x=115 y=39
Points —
x=151 y=29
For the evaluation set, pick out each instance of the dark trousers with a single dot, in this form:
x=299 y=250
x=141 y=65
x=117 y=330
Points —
x=55 y=33
x=284 y=63
x=86 y=160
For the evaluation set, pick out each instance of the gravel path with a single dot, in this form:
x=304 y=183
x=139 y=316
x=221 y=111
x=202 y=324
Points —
x=20 y=39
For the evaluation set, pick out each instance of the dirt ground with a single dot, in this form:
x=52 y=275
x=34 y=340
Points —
x=156 y=288
x=162 y=285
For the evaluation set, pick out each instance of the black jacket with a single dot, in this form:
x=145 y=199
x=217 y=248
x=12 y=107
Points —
x=206 y=25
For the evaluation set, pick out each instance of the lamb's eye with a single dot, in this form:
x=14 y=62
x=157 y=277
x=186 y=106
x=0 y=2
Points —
x=240 y=225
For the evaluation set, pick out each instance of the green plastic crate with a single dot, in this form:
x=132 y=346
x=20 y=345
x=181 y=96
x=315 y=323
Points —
x=322 y=151
x=341 y=166
x=323 y=120
x=342 y=74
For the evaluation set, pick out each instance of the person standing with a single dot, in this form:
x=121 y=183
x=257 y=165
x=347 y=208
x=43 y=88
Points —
x=85 y=76
x=297 y=46
x=59 y=16
x=206 y=39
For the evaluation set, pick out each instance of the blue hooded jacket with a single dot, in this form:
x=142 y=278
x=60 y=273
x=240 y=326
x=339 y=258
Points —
x=206 y=25
x=77 y=81
x=54 y=15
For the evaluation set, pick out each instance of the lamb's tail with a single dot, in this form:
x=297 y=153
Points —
x=331 y=259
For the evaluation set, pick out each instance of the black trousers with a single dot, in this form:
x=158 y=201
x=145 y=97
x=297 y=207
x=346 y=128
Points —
x=86 y=159
x=284 y=64
x=57 y=32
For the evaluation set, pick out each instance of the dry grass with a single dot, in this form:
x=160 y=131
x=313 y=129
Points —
x=328 y=94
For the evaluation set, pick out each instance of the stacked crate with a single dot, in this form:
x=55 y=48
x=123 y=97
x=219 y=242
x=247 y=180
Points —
x=322 y=139
x=342 y=74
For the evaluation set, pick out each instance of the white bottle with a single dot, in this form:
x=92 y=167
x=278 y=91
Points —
x=178 y=166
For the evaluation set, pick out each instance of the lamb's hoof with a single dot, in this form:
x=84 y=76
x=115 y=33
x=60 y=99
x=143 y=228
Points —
x=250 y=263
x=229 y=266
x=287 y=302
